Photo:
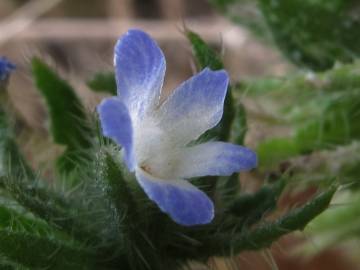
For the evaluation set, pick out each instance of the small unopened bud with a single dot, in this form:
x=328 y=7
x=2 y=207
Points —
x=6 y=67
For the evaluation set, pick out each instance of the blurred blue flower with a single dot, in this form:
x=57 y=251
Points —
x=155 y=134
x=5 y=68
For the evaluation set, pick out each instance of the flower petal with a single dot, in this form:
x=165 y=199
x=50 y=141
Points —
x=140 y=69
x=6 y=67
x=214 y=158
x=116 y=124
x=182 y=201
x=195 y=106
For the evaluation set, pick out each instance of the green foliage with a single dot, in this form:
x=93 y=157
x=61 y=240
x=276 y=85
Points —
x=315 y=44
x=127 y=234
x=254 y=206
x=103 y=82
x=6 y=265
x=264 y=235
x=116 y=190
x=69 y=126
x=303 y=85
x=10 y=157
x=10 y=218
x=320 y=109
x=338 y=125
x=41 y=252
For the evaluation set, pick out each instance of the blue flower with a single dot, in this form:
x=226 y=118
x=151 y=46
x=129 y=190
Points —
x=5 y=68
x=155 y=134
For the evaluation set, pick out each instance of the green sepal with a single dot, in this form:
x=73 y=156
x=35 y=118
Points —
x=69 y=124
x=103 y=82
x=228 y=188
x=252 y=207
x=111 y=180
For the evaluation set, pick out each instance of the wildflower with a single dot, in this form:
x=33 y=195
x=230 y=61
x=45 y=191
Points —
x=155 y=135
x=5 y=68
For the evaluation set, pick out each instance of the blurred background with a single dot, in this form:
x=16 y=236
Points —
x=77 y=37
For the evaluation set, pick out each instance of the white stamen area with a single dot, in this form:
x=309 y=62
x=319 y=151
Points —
x=155 y=150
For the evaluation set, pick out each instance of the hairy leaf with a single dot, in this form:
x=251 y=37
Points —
x=42 y=252
x=69 y=126
x=262 y=236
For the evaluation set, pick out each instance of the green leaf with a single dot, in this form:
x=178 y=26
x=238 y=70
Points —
x=69 y=126
x=315 y=45
x=103 y=82
x=36 y=251
x=205 y=56
x=262 y=236
x=297 y=219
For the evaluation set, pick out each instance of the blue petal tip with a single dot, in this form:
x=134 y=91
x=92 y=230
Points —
x=183 y=202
